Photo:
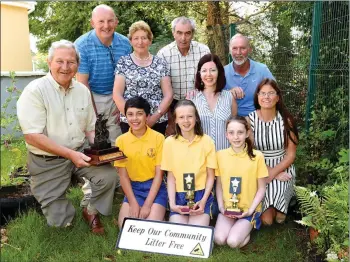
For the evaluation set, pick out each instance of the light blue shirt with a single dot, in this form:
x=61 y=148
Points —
x=99 y=61
x=257 y=72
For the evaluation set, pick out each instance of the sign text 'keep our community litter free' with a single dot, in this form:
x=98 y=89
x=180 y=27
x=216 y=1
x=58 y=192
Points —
x=166 y=238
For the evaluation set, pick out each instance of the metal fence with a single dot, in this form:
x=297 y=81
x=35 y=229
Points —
x=328 y=87
x=311 y=63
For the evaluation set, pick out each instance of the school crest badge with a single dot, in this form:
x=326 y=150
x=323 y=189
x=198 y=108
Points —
x=151 y=152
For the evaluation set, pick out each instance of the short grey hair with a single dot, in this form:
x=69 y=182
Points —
x=183 y=20
x=63 y=44
x=239 y=35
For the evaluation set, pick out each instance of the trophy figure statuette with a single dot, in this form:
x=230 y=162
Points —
x=101 y=151
x=189 y=182
x=235 y=189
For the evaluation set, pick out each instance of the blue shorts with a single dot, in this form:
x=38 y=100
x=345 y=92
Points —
x=215 y=207
x=141 y=191
x=254 y=220
x=180 y=199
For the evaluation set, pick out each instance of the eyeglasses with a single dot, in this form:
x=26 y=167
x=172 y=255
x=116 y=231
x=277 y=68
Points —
x=111 y=56
x=269 y=94
x=211 y=71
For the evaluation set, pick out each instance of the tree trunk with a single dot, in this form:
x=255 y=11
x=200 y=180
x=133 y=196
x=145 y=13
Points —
x=210 y=22
x=226 y=29
x=217 y=41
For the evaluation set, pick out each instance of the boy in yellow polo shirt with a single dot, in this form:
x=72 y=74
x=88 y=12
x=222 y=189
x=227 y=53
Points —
x=140 y=174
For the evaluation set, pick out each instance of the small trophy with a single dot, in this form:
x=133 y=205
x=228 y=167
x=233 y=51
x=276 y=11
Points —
x=101 y=151
x=189 y=182
x=235 y=189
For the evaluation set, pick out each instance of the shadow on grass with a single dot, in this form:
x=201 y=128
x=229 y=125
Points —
x=30 y=239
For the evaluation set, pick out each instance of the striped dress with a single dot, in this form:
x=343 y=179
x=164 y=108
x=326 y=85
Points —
x=213 y=123
x=269 y=139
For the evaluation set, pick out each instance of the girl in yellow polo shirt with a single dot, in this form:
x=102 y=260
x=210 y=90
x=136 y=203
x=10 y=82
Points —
x=242 y=170
x=189 y=158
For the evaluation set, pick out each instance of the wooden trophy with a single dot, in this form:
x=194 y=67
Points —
x=235 y=189
x=189 y=186
x=102 y=152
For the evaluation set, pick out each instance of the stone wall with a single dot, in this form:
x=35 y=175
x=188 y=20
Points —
x=22 y=79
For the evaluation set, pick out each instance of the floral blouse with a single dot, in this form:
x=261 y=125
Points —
x=143 y=81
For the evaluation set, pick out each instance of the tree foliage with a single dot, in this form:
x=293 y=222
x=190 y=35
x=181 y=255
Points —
x=52 y=21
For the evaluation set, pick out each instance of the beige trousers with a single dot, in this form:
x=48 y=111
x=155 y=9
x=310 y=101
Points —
x=50 y=179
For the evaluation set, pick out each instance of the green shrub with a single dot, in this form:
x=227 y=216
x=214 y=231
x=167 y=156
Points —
x=319 y=148
x=13 y=152
x=328 y=214
x=9 y=120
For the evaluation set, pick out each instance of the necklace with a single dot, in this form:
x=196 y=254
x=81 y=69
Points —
x=143 y=59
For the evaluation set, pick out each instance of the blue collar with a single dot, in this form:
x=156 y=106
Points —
x=251 y=68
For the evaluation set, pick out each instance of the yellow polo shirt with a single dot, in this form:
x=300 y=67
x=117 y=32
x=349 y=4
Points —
x=181 y=156
x=64 y=116
x=143 y=154
x=231 y=164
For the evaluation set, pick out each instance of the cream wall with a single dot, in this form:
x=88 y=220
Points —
x=15 y=46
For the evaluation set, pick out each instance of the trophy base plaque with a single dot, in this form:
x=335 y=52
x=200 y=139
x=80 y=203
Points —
x=185 y=209
x=233 y=212
x=103 y=156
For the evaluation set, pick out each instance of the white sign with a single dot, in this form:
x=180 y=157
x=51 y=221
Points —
x=166 y=238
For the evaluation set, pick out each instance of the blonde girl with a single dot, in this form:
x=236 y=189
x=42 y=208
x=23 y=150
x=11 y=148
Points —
x=189 y=151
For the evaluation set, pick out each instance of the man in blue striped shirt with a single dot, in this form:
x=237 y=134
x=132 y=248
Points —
x=100 y=50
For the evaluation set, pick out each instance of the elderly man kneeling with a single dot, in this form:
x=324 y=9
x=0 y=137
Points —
x=56 y=116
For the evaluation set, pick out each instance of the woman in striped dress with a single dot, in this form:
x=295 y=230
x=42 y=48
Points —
x=276 y=135
x=215 y=105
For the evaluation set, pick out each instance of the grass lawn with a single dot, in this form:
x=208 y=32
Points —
x=31 y=240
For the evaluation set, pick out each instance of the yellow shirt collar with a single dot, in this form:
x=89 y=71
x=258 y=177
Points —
x=182 y=139
x=133 y=138
x=240 y=154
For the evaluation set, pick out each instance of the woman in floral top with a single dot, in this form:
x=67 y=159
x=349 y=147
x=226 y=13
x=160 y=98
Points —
x=142 y=74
